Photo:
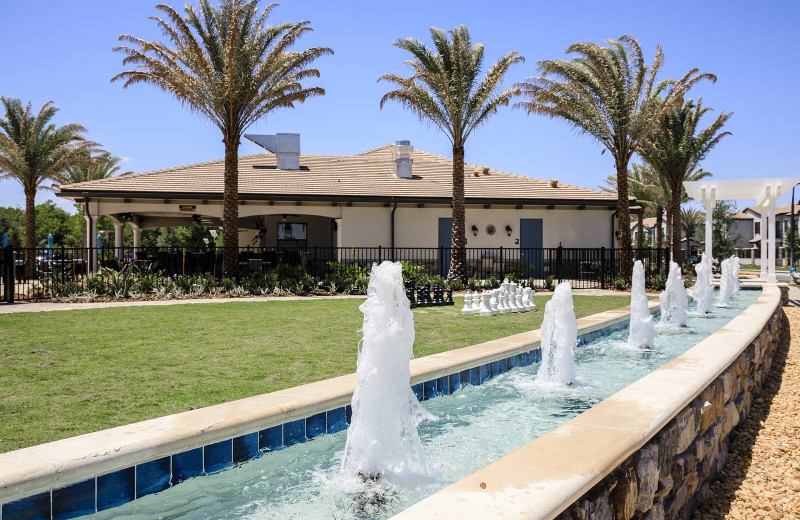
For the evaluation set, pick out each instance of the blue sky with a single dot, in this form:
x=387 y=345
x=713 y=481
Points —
x=61 y=51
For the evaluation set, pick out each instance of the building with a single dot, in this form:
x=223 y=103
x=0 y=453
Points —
x=389 y=197
x=749 y=227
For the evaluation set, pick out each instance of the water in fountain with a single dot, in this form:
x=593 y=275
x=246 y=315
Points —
x=559 y=338
x=726 y=285
x=642 y=331
x=382 y=440
x=673 y=299
x=735 y=267
x=703 y=292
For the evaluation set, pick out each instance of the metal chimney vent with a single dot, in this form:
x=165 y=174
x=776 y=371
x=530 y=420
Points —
x=401 y=152
x=286 y=148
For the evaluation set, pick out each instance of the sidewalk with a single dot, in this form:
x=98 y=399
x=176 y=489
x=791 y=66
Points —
x=762 y=477
x=50 y=307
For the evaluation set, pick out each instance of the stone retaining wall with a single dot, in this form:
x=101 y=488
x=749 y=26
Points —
x=671 y=474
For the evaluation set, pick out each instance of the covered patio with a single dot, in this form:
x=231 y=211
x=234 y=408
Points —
x=765 y=192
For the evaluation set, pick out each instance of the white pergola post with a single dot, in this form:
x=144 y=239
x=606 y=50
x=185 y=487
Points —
x=137 y=238
x=91 y=243
x=119 y=228
x=771 y=278
x=709 y=201
x=763 y=241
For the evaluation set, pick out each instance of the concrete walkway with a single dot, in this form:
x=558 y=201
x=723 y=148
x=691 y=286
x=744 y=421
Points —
x=50 y=306
x=761 y=479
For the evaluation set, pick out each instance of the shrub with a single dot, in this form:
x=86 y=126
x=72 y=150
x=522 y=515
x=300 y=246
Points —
x=548 y=282
x=657 y=282
x=621 y=284
x=456 y=284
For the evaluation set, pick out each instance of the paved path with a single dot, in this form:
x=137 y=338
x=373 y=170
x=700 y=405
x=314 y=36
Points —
x=762 y=477
x=49 y=306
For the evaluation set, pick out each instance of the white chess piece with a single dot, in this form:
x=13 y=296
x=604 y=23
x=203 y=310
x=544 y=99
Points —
x=493 y=302
x=467 y=308
x=527 y=298
x=520 y=306
x=512 y=300
x=486 y=309
x=476 y=303
x=502 y=305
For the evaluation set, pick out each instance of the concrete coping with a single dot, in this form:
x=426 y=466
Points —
x=544 y=477
x=52 y=465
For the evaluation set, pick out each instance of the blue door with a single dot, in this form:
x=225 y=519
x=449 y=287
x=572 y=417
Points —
x=445 y=240
x=530 y=243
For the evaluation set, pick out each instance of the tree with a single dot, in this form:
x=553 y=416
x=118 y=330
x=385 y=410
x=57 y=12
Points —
x=691 y=219
x=91 y=166
x=675 y=149
x=723 y=240
x=33 y=151
x=446 y=90
x=230 y=66
x=641 y=187
x=611 y=94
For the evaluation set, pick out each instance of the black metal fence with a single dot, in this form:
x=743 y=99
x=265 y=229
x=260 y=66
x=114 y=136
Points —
x=35 y=274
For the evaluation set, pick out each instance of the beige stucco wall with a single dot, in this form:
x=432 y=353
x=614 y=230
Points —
x=370 y=225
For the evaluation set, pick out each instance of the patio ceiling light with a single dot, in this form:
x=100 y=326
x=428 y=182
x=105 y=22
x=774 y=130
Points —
x=508 y=230
x=474 y=230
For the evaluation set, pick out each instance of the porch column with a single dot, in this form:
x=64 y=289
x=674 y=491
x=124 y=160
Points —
x=708 y=205
x=763 y=240
x=338 y=239
x=137 y=238
x=119 y=228
x=771 y=233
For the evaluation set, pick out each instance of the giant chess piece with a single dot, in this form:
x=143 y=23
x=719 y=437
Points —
x=512 y=300
x=476 y=303
x=428 y=297
x=449 y=300
x=421 y=300
x=467 y=308
x=486 y=309
x=410 y=294
x=518 y=297
x=502 y=304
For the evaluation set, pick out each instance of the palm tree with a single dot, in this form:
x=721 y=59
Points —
x=611 y=94
x=230 y=66
x=675 y=149
x=446 y=89
x=90 y=166
x=640 y=177
x=33 y=151
x=690 y=220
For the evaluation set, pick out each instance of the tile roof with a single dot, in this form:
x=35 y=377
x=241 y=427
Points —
x=779 y=210
x=364 y=176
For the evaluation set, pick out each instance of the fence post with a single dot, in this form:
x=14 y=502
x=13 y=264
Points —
x=666 y=258
x=603 y=267
x=441 y=261
x=502 y=265
x=9 y=268
x=558 y=263
x=380 y=254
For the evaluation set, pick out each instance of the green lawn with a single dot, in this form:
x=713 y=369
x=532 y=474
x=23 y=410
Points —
x=753 y=267
x=72 y=372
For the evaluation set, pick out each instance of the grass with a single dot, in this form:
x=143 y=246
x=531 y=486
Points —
x=73 y=372
x=753 y=267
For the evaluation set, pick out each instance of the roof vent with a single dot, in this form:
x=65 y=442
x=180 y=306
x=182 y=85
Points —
x=554 y=183
x=286 y=148
x=401 y=153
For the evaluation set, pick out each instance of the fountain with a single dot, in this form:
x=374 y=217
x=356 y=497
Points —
x=735 y=268
x=559 y=338
x=726 y=284
x=702 y=292
x=673 y=299
x=642 y=332
x=382 y=440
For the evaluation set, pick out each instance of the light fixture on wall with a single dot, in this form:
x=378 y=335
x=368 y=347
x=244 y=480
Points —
x=508 y=230
x=474 y=230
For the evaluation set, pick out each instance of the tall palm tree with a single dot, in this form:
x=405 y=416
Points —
x=640 y=178
x=35 y=151
x=676 y=148
x=690 y=220
x=611 y=94
x=229 y=65
x=446 y=89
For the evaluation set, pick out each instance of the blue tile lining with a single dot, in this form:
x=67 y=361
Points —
x=123 y=486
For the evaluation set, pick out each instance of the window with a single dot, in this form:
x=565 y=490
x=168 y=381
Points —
x=292 y=235
x=758 y=228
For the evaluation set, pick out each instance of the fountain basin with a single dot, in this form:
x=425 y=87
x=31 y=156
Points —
x=222 y=433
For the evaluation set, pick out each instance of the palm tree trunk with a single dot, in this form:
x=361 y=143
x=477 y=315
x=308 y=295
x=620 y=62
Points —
x=668 y=241
x=624 y=216
x=676 y=225
x=30 y=232
x=659 y=224
x=230 y=208
x=640 y=232
x=458 y=254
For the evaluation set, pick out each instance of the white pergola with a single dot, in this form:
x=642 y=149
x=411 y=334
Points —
x=764 y=191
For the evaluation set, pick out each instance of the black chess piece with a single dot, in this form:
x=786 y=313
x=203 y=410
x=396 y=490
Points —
x=449 y=300
x=410 y=294
x=437 y=299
